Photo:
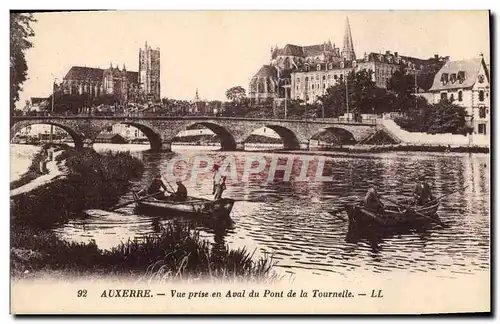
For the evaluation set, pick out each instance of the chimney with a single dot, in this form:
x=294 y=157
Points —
x=436 y=56
x=396 y=54
x=387 y=52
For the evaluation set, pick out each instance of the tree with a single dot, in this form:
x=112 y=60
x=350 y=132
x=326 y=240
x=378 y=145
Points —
x=364 y=96
x=443 y=117
x=235 y=94
x=20 y=33
x=401 y=84
x=447 y=117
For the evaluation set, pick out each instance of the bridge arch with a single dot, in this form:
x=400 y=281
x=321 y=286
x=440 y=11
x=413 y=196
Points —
x=227 y=141
x=340 y=135
x=289 y=137
x=152 y=134
x=75 y=136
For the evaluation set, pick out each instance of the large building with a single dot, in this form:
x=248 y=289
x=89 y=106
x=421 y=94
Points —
x=125 y=85
x=305 y=72
x=467 y=84
x=149 y=72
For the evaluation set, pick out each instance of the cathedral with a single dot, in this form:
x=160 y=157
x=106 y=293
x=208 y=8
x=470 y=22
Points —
x=127 y=86
x=305 y=72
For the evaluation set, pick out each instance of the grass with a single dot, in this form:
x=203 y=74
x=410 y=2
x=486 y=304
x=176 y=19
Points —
x=177 y=252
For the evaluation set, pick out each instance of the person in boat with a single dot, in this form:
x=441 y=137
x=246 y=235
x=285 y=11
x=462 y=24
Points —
x=181 y=193
x=219 y=188
x=372 y=201
x=215 y=170
x=422 y=193
x=156 y=187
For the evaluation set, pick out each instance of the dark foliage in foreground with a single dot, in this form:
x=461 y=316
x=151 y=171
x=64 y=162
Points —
x=177 y=252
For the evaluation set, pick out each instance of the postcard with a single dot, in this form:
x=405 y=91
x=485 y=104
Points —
x=250 y=162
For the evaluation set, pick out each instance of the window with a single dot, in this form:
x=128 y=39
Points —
x=480 y=78
x=324 y=85
x=444 y=96
x=307 y=79
x=460 y=96
x=330 y=66
x=453 y=77
x=481 y=95
x=452 y=98
x=481 y=128
x=318 y=67
x=324 y=77
x=298 y=80
x=461 y=76
x=335 y=77
x=444 y=78
x=341 y=65
x=482 y=112
x=307 y=67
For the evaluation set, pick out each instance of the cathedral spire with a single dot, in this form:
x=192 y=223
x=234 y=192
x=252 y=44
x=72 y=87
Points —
x=348 y=49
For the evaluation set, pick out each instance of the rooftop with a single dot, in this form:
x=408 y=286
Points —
x=469 y=69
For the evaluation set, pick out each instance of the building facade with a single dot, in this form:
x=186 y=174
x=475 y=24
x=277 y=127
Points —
x=467 y=84
x=125 y=85
x=305 y=72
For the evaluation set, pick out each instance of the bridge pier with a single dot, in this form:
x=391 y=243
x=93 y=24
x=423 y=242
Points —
x=304 y=146
x=166 y=146
x=240 y=146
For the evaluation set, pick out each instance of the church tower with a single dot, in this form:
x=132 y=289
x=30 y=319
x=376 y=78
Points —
x=348 y=49
x=149 y=72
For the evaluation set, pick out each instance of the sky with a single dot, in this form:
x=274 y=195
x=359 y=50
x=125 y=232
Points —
x=214 y=50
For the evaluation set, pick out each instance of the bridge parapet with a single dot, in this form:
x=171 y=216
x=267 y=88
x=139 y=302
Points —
x=232 y=131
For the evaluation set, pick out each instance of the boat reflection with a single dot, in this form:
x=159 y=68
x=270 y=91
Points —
x=376 y=236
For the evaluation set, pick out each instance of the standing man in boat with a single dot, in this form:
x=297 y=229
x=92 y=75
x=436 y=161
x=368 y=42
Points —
x=422 y=193
x=372 y=201
x=215 y=170
x=219 y=188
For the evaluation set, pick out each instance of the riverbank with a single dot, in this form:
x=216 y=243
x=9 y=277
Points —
x=91 y=180
x=402 y=148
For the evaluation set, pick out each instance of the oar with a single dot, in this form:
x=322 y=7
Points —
x=441 y=197
x=133 y=201
x=416 y=212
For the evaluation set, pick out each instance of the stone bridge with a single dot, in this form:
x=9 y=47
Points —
x=232 y=131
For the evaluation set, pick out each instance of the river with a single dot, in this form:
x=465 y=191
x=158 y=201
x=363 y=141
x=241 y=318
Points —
x=290 y=221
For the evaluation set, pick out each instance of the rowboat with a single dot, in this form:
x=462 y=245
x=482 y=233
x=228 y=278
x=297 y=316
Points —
x=198 y=207
x=393 y=216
